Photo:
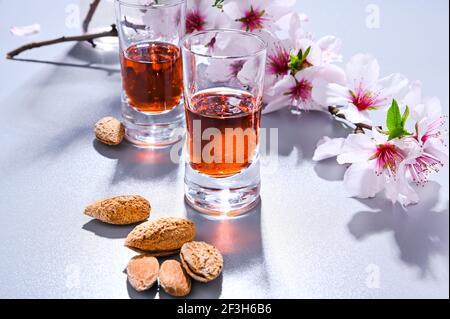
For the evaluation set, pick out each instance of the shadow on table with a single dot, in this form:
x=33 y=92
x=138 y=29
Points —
x=64 y=129
x=68 y=133
x=329 y=170
x=240 y=242
x=301 y=133
x=420 y=232
x=108 y=231
x=138 y=163
x=90 y=58
x=85 y=52
x=109 y=70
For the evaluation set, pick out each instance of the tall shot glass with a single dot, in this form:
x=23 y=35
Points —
x=150 y=32
x=223 y=90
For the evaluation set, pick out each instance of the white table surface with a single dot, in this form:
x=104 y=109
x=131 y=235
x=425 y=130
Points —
x=306 y=240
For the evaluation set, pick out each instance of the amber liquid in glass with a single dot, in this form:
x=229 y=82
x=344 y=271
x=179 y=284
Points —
x=221 y=109
x=152 y=76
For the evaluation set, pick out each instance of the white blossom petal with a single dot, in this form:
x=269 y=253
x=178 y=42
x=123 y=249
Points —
x=337 y=95
x=399 y=190
x=331 y=47
x=277 y=97
x=432 y=108
x=414 y=96
x=437 y=149
x=379 y=137
x=234 y=9
x=21 y=31
x=354 y=115
x=322 y=86
x=277 y=103
x=393 y=86
x=327 y=148
x=315 y=53
x=295 y=30
x=363 y=70
x=250 y=72
x=361 y=181
x=278 y=8
x=332 y=74
x=357 y=148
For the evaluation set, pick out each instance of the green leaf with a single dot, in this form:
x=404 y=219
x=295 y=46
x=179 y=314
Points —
x=405 y=116
x=397 y=133
x=307 y=52
x=296 y=61
x=395 y=122
x=394 y=118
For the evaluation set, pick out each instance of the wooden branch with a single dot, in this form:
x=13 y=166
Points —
x=85 y=37
x=132 y=25
x=92 y=8
x=359 y=127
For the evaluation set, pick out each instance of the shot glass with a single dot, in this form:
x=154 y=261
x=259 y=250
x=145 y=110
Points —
x=150 y=32
x=223 y=90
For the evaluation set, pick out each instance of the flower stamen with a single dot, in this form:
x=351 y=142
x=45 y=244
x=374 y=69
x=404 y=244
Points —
x=253 y=19
x=278 y=61
x=365 y=100
x=195 y=21
x=387 y=157
x=422 y=167
x=301 y=91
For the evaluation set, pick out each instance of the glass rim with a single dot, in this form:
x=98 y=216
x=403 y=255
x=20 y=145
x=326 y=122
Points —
x=128 y=3
x=257 y=52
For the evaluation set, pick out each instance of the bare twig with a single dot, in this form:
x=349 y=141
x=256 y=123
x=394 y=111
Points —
x=359 y=127
x=92 y=8
x=85 y=37
x=132 y=25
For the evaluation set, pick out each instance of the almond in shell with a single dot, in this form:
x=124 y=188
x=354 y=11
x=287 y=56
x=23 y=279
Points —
x=161 y=237
x=120 y=210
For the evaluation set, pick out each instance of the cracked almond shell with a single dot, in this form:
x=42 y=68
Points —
x=120 y=210
x=109 y=131
x=202 y=261
x=161 y=237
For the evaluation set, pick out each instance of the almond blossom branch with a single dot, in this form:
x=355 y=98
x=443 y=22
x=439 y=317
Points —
x=359 y=127
x=132 y=25
x=92 y=8
x=85 y=37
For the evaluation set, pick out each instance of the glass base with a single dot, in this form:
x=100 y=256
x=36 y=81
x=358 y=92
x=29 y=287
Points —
x=153 y=130
x=223 y=197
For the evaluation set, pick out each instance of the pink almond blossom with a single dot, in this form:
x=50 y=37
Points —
x=256 y=15
x=376 y=164
x=201 y=15
x=283 y=87
x=296 y=91
x=429 y=133
x=363 y=90
x=279 y=49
